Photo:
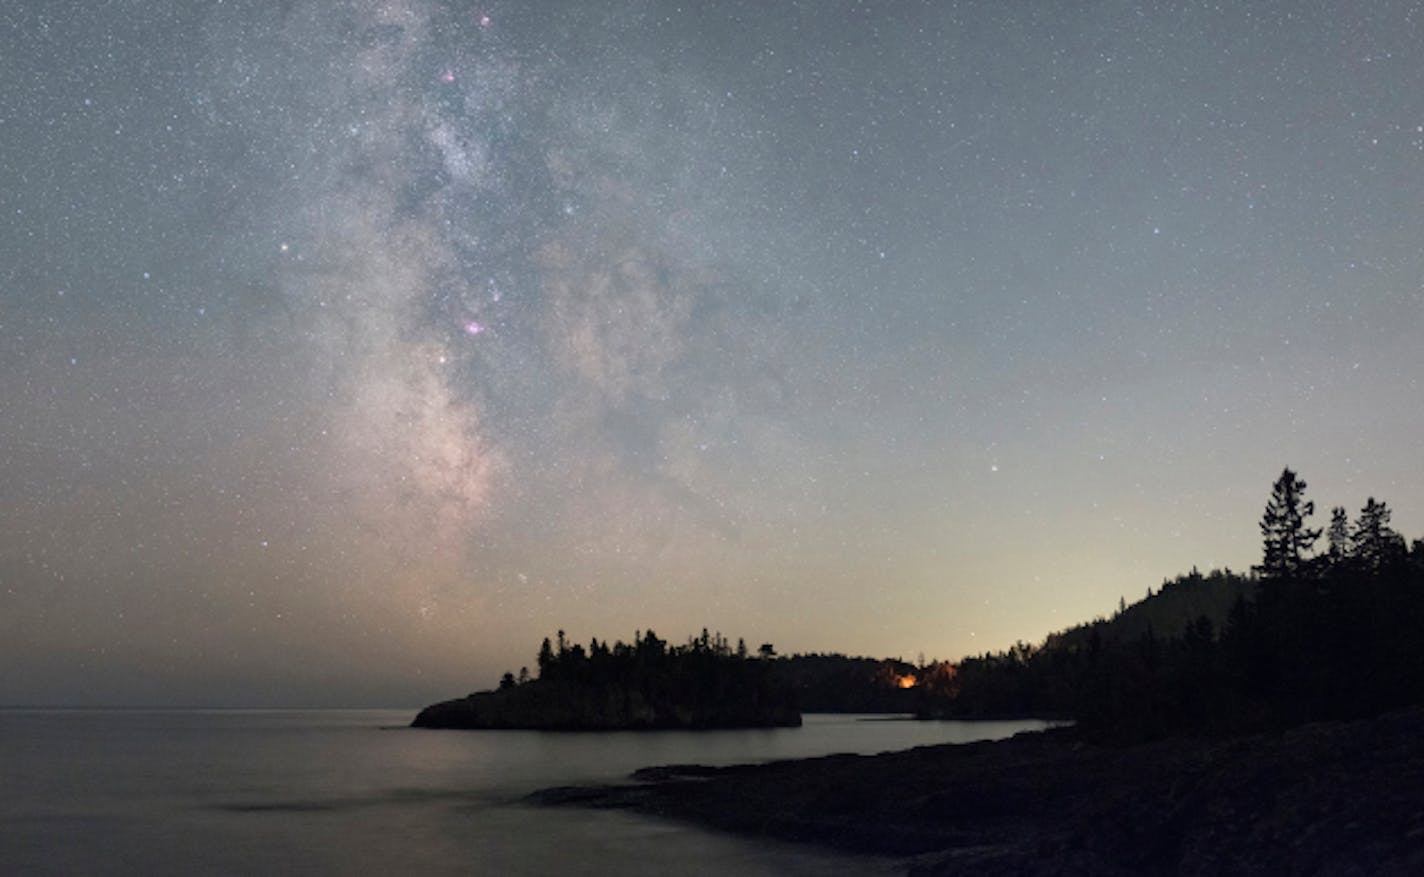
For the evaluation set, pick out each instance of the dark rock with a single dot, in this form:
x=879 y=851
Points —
x=558 y=706
x=667 y=772
x=1337 y=798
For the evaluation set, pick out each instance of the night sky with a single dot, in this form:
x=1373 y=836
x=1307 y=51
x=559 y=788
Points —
x=348 y=349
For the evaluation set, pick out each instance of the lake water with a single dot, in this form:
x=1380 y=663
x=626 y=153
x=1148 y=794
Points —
x=345 y=792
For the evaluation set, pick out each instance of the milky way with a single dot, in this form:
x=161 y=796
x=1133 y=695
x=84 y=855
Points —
x=349 y=348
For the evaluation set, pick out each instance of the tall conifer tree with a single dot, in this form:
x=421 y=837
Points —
x=1286 y=538
x=1338 y=535
x=1374 y=542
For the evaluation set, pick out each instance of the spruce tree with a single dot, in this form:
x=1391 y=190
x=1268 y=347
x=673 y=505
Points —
x=546 y=659
x=1375 y=544
x=1285 y=536
x=1338 y=535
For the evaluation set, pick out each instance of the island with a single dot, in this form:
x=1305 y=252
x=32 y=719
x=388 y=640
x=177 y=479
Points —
x=646 y=685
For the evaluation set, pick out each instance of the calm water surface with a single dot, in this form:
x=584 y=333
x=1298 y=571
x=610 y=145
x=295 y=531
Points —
x=343 y=792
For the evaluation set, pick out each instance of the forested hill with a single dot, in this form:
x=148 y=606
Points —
x=836 y=683
x=1333 y=634
x=1181 y=603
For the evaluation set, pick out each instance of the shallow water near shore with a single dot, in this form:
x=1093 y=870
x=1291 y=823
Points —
x=338 y=792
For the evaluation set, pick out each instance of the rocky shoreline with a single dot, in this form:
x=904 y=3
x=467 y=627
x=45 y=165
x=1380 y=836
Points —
x=1327 y=798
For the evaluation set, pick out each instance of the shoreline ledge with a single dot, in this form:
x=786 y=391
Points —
x=1323 y=798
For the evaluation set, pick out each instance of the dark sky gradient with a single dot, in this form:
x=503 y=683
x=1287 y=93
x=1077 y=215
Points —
x=347 y=349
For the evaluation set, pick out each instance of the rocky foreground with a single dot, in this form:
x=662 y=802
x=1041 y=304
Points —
x=1336 y=798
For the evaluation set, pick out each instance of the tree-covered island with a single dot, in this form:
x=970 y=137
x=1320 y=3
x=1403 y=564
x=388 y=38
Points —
x=644 y=685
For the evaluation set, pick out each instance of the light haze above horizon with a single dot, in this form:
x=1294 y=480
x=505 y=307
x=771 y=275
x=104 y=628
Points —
x=348 y=349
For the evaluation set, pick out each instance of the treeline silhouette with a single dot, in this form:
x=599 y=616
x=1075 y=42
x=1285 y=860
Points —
x=836 y=683
x=1303 y=637
x=1336 y=634
x=705 y=667
x=704 y=658
x=648 y=683
x=706 y=680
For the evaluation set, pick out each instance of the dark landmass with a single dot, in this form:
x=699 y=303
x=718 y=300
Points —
x=561 y=706
x=1082 y=671
x=1324 y=798
x=645 y=685
x=1334 y=636
x=1266 y=723
x=834 y=683
x=594 y=690
x=1337 y=635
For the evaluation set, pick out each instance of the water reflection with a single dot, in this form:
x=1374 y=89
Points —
x=344 y=792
